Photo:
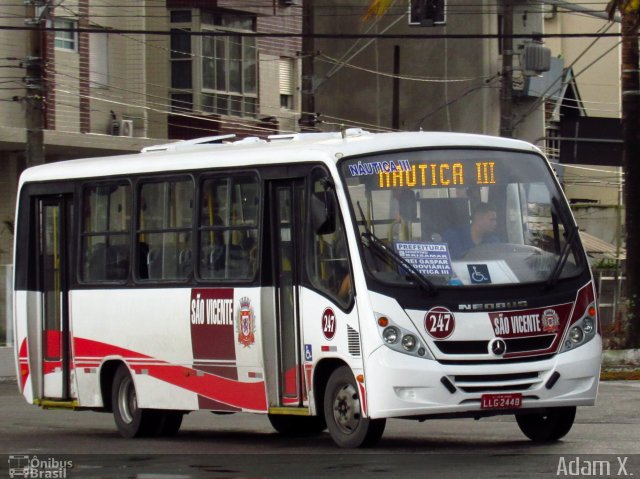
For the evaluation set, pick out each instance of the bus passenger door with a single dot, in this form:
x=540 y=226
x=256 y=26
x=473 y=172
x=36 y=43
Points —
x=287 y=204
x=54 y=242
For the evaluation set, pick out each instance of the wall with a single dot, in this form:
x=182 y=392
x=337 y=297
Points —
x=13 y=44
x=599 y=83
x=458 y=87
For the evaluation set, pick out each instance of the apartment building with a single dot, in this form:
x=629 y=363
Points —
x=593 y=186
x=145 y=73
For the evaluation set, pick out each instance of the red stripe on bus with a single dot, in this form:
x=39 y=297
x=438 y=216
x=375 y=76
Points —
x=250 y=396
x=23 y=360
x=363 y=398
x=53 y=344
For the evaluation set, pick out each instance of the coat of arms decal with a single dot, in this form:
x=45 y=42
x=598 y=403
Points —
x=246 y=325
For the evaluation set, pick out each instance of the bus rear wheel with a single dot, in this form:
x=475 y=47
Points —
x=297 y=426
x=343 y=413
x=548 y=426
x=132 y=421
x=171 y=422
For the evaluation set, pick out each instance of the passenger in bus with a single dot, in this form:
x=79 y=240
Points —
x=481 y=230
x=345 y=292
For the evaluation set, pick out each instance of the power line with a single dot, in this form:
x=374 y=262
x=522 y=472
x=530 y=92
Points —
x=328 y=36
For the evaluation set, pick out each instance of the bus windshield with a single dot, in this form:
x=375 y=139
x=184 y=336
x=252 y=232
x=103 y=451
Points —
x=463 y=217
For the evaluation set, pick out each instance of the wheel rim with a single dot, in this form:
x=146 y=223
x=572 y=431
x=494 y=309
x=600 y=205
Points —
x=346 y=409
x=127 y=401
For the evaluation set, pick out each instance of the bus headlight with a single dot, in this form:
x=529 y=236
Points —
x=576 y=335
x=390 y=335
x=582 y=331
x=587 y=325
x=409 y=342
x=400 y=339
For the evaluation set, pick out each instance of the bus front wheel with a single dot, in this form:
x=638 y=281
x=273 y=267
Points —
x=132 y=421
x=343 y=413
x=548 y=426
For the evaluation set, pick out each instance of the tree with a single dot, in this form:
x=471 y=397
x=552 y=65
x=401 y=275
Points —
x=377 y=8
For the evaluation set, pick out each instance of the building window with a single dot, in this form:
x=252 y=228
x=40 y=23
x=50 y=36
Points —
x=99 y=60
x=181 y=59
x=287 y=82
x=226 y=82
x=427 y=13
x=66 y=40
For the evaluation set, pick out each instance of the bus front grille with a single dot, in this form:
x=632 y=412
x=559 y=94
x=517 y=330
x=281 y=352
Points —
x=514 y=345
x=497 y=382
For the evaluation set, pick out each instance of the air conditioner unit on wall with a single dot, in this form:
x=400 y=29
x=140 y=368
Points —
x=126 y=128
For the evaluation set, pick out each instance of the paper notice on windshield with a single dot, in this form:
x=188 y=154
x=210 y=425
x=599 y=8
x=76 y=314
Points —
x=428 y=258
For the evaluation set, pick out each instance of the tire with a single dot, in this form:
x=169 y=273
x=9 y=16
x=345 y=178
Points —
x=343 y=413
x=549 y=426
x=171 y=423
x=132 y=421
x=297 y=426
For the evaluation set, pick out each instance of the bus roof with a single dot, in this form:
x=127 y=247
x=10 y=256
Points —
x=278 y=149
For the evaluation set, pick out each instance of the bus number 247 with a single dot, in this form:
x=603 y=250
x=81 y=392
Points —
x=439 y=323
x=328 y=323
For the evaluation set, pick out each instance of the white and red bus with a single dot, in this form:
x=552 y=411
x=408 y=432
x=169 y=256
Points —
x=330 y=280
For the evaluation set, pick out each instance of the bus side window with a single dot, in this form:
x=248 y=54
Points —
x=106 y=223
x=228 y=228
x=328 y=263
x=164 y=230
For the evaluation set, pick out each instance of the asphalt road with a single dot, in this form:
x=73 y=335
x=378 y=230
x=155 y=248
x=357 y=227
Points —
x=605 y=438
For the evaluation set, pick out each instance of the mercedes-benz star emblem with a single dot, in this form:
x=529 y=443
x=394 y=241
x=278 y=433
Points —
x=497 y=346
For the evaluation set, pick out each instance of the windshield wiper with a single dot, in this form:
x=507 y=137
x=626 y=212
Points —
x=564 y=255
x=371 y=240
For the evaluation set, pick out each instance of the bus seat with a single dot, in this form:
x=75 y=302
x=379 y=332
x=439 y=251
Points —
x=97 y=263
x=163 y=262
x=117 y=262
x=185 y=265
x=212 y=260
x=238 y=262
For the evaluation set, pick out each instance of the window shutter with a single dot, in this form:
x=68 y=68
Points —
x=287 y=84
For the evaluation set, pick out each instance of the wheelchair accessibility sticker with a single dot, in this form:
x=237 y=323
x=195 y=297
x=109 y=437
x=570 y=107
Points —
x=479 y=273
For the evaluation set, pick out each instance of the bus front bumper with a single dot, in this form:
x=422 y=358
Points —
x=399 y=385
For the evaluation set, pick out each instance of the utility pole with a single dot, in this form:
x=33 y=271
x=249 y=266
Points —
x=308 y=119
x=506 y=90
x=630 y=75
x=34 y=100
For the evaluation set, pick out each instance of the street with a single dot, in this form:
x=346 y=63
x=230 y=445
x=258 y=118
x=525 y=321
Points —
x=232 y=446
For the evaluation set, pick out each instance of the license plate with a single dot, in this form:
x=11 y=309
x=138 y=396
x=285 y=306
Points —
x=501 y=401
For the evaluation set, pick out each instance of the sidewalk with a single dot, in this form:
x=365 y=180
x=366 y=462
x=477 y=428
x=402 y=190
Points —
x=616 y=364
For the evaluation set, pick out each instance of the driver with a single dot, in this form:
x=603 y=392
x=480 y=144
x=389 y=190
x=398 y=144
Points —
x=481 y=230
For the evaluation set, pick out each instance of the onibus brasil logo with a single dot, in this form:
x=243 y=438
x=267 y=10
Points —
x=38 y=468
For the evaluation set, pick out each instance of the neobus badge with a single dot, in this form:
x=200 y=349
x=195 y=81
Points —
x=439 y=322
